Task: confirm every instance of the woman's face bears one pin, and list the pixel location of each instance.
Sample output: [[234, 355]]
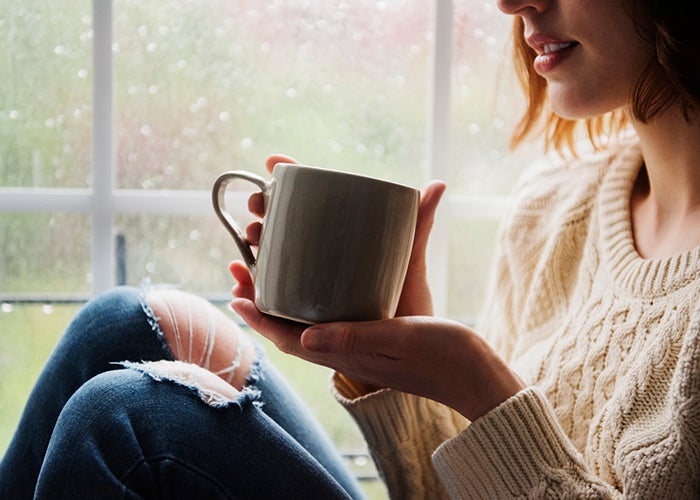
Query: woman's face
[[589, 51]]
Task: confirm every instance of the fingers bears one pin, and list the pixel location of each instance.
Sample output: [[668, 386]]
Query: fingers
[[273, 160], [252, 233], [256, 204], [240, 272], [415, 295], [281, 332], [244, 287]]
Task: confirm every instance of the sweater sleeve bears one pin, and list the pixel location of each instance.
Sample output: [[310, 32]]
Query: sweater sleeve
[[518, 450], [402, 432]]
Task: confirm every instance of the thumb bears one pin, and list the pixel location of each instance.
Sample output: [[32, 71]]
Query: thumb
[[377, 337], [328, 338], [346, 338], [429, 200]]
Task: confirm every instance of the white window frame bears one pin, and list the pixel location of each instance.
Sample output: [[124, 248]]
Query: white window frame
[[103, 203]]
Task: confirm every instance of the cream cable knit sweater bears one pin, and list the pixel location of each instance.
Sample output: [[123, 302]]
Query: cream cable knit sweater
[[609, 341]]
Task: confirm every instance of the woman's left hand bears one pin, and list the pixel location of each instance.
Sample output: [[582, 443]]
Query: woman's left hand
[[438, 359]]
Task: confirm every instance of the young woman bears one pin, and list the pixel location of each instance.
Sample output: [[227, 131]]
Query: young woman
[[582, 380], [590, 383]]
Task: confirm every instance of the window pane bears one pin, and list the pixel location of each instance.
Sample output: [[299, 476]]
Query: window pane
[[45, 95], [207, 86], [28, 333], [191, 252], [471, 255], [486, 101], [44, 253]]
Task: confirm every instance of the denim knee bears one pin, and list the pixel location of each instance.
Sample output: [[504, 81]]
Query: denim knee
[[130, 432], [127, 433], [115, 326], [122, 431], [117, 306]]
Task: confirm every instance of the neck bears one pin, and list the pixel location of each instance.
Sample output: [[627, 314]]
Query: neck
[[666, 198]]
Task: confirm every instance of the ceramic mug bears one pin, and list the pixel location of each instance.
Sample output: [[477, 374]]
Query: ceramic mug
[[334, 245]]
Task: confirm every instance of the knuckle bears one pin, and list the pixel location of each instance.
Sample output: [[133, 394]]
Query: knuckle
[[287, 340], [347, 339], [284, 346]]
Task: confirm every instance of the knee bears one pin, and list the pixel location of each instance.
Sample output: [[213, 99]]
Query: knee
[[97, 405], [116, 304], [138, 394], [115, 325], [199, 333], [121, 426], [211, 389], [114, 420]]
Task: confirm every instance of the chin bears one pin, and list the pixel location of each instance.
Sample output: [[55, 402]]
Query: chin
[[572, 105], [581, 112]]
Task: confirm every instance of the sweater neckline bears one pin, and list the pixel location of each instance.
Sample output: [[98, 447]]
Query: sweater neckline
[[630, 272]]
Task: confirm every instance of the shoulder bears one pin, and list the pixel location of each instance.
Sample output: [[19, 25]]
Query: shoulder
[[562, 188], [553, 177]]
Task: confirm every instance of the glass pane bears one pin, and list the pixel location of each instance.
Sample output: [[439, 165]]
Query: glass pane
[[28, 333], [44, 253], [471, 255], [45, 93], [207, 86], [486, 101], [191, 252]]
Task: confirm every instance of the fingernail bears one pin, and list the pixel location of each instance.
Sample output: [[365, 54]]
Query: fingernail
[[313, 339]]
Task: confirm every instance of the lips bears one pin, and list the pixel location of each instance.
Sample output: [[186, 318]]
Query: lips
[[551, 51], [548, 48]]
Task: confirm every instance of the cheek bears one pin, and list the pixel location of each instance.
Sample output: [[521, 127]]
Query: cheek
[[601, 81]]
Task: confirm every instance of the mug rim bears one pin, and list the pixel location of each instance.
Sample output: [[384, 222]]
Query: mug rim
[[301, 166]]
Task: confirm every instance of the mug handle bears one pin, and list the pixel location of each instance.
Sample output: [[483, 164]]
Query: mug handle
[[218, 193]]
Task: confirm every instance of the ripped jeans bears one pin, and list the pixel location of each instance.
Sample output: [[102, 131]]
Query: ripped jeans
[[100, 424]]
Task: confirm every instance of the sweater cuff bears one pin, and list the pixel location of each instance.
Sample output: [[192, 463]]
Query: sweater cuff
[[388, 417], [510, 451]]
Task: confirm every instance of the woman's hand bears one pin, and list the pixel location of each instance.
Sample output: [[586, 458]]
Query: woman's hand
[[438, 359], [413, 352], [416, 299], [256, 205], [415, 296]]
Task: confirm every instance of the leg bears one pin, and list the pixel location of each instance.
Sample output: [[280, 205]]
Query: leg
[[201, 334], [121, 326], [110, 328], [131, 436]]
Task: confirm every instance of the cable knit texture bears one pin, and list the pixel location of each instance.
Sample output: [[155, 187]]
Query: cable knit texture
[[609, 342]]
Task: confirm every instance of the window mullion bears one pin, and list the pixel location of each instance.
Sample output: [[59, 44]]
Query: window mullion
[[102, 249], [439, 144]]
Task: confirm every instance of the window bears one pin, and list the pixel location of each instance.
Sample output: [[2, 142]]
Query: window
[[116, 116]]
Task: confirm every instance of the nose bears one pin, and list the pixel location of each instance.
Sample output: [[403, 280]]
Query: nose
[[521, 7]]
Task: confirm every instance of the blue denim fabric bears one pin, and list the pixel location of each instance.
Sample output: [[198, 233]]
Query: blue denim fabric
[[93, 429]]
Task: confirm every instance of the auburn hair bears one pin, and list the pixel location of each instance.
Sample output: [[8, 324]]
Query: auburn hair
[[672, 76]]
